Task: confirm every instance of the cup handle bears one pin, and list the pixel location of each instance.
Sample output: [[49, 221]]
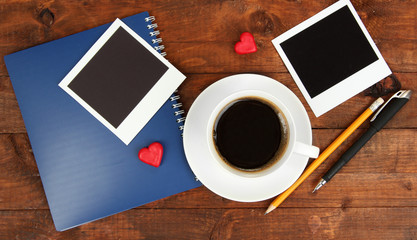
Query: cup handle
[[306, 150]]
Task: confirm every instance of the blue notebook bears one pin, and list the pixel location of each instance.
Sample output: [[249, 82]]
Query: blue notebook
[[86, 171]]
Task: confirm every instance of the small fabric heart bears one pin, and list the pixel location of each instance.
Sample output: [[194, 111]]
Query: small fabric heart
[[246, 44], [152, 155]]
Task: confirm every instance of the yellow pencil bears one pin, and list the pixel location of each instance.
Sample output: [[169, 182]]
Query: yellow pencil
[[335, 144]]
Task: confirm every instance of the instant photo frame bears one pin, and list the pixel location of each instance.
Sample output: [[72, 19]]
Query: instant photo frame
[[331, 57], [122, 81]]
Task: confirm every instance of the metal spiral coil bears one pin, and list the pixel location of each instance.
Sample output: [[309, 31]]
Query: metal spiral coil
[[175, 97], [177, 105], [154, 33], [153, 25], [179, 111], [150, 19], [180, 120], [160, 47], [156, 40]]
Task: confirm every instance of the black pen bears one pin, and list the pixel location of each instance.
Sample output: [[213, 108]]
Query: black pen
[[381, 117]]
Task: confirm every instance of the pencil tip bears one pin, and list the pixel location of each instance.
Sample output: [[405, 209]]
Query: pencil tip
[[270, 208]]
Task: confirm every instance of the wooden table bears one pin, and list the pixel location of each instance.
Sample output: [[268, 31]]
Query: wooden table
[[373, 197]]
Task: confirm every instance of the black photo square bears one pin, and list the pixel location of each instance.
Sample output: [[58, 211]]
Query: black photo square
[[116, 79], [329, 51]]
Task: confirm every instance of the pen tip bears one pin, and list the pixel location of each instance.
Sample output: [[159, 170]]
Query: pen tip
[[319, 185]]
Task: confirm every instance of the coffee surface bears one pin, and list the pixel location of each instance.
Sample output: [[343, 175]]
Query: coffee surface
[[248, 134]]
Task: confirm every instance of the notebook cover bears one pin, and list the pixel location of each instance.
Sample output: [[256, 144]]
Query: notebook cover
[[86, 171]]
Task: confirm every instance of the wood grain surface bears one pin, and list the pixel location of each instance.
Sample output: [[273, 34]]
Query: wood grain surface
[[373, 197]]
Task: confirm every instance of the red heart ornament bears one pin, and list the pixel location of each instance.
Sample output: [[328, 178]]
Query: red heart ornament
[[152, 155], [246, 44]]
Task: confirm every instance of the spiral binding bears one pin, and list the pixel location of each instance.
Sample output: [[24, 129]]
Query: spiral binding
[[155, 33], [178, 111], [175, 97]]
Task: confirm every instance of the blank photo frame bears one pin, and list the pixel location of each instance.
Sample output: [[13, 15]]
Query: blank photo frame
[[331, 57], [122, 81]]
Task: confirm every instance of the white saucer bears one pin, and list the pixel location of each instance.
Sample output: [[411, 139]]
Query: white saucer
[[207, 170]]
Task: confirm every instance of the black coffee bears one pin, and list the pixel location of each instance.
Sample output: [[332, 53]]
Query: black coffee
[[248, 134]]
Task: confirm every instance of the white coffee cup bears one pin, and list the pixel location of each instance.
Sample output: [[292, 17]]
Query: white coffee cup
[[292, 145]]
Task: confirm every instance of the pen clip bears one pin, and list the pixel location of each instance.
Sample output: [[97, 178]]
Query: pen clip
[[399, 94]]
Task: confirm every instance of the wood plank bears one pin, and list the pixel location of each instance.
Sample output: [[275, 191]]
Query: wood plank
[[382, 174], [345, 190], [395, 146], [271, 18], [11, 119], [16, 156], [266, 18], [219, 57], [285, 223], [203, 50]]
